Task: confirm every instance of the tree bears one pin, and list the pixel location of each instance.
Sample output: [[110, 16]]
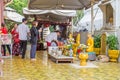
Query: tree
[[77, 18], [18, 5]]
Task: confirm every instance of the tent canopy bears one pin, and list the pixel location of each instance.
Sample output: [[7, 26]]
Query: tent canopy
[[85, 22], [51, 15], [11, 14], [56, 12], [59, 4]]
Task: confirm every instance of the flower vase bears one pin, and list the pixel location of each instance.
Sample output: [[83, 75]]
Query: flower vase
[[83, 57]]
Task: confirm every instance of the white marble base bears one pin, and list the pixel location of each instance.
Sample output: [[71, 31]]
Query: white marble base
[[89, 65]]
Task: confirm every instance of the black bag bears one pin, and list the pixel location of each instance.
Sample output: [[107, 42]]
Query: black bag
[[40, 46]]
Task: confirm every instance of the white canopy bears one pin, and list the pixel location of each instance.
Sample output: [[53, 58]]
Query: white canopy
[[59, 4], [57, 12], [51, 15], [11, 14], [85, 22]]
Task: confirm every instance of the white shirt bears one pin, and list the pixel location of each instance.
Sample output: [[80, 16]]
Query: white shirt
[[51, 36], [23, 31]]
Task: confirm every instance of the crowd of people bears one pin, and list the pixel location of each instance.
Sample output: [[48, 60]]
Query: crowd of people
[[20, 34]]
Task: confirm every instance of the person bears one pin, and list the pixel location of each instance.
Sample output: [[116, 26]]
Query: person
[[90, 43], [34, 37], [16, 41], [5, 31], [23, 32], [53, 36]]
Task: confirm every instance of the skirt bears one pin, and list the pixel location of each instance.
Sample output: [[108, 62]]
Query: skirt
[[16, 49]]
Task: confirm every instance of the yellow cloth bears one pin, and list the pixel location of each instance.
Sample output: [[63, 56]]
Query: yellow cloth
[[90, 43], [70, 36]]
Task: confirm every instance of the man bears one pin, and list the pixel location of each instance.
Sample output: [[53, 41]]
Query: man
[[53, 36], [23, 32]]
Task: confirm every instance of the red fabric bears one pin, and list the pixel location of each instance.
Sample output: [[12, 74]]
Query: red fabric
[[60, 43], [15, 36], [16, 40], [48, 44], [79, 50], [46, 24], [4, 30]]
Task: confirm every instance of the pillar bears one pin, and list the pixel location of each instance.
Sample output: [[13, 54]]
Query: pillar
[[1, 12], [103, 9], [117, 14], [92, 18]]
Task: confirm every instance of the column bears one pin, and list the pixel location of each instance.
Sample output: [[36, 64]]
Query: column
[[1, 12], [117, 14], [103, 9], [92, 17]]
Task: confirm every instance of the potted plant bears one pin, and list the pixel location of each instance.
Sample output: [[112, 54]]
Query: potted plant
[[113, 51], [97, 44]]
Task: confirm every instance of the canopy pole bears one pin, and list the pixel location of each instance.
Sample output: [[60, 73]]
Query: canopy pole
[[72, 24], [92, 18]]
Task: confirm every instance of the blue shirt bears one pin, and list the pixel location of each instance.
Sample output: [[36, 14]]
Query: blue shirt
[[23, 31]]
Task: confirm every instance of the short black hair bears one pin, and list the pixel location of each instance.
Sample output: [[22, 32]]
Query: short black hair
[[24, 19], [2, 25], [57, 31]]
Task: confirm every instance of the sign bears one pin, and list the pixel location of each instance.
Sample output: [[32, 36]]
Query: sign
[[5, 39]]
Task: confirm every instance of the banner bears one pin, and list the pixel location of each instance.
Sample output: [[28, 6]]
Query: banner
[[5, 39]]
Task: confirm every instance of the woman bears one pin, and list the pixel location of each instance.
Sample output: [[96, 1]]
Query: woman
[[4, 31], [34, 38], [16, 41]]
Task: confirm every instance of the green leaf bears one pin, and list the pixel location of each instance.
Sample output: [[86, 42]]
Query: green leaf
[[112, 42], [18, 5], [97, 41]]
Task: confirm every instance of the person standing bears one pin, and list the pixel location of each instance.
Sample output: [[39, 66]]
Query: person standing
[[16, 41], [34, 37], [5, 31], [23, 32]]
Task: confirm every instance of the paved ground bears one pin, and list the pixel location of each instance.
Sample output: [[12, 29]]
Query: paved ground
[[45, 69]]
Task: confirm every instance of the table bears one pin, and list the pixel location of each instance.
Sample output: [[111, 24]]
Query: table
[[61, 58], [57, 58]]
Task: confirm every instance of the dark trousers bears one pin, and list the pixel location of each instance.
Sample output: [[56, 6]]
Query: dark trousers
[[23, 46], [4, 49], [33, 50]]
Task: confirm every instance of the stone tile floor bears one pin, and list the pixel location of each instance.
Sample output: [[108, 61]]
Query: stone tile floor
[[45, 69]]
